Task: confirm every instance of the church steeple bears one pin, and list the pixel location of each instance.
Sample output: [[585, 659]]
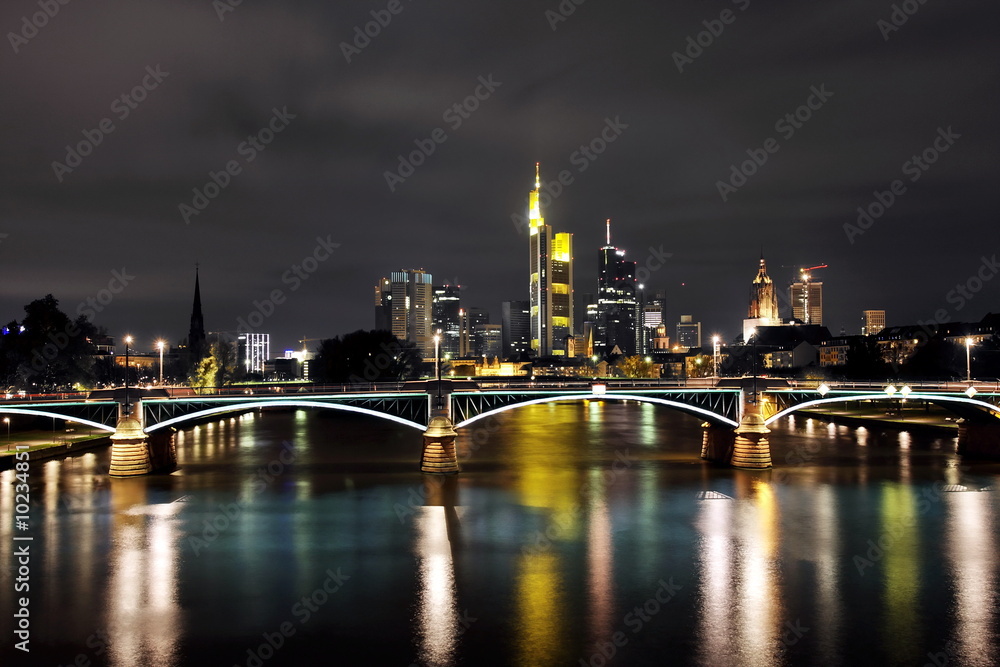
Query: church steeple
[[763, 298], [196, 335]]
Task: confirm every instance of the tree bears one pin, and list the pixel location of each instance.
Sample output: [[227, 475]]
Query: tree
[[47, 351], [366, 356], [864, 360], [205, 374], [635, 367]]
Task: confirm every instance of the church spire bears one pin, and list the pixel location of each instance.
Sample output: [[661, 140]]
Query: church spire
[[196, 335]]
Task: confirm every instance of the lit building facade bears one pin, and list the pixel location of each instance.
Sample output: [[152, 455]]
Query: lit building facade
[[446, 318], [688, 332], [807, 300], [550, 281], [406, 300], [515, 322], [617, 315], [763, 298], [253, 351], [874, 322]]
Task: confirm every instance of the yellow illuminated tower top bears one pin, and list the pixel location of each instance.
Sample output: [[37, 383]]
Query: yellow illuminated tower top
[[535, 219]]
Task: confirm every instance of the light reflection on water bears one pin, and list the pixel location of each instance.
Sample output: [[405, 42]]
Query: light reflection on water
[[561, 523]]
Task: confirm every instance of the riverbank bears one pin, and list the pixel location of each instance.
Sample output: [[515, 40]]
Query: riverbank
[[40, 447]]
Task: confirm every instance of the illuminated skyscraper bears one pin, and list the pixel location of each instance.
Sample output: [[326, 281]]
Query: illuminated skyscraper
[[253, 351], [551, 280], [807, 300], [446, 318], [617, 307], [406, 298], [516, 327]]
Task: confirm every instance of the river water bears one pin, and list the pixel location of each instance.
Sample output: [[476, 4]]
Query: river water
[[577, 534]]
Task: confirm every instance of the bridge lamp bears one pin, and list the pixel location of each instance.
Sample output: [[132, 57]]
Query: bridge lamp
[[599, 389], [6, 420], [159, 346], [128, 341], [968, 359], [971, 391], [715, 355], [823, 389], [890, 390]]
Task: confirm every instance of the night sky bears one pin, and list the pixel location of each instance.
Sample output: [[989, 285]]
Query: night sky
[[555, 82]]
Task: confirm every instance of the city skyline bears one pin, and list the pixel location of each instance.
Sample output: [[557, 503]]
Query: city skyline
[[296, 157]]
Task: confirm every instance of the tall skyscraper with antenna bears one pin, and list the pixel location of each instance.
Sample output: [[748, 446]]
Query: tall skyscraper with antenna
[[550, 281], [617, 307]]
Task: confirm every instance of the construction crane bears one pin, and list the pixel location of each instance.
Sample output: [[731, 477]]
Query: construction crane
[[306, 340]]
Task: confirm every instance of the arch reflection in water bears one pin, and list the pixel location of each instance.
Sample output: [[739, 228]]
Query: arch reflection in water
[[143, 614]]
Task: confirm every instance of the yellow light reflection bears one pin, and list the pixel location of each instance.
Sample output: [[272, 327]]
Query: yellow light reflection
[[902, 571]]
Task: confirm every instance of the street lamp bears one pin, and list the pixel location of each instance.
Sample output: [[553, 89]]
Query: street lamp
[[159, 346], [128, 341], [904, 392], [968, 359], [715, 355], [6, 420], [437, 365], [753, 339]]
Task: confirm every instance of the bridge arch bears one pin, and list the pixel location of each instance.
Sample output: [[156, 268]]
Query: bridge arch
[[297, 403], [35, 412], [983, 406], [694, 410]]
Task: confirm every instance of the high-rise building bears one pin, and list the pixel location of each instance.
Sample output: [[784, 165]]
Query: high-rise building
[[515, 321], [253, 350], [197, 347], [550, 282], [688, 332], [446, 318], [406, 298], [874, 322], [807, 300], [617, 307], [489, 340], [763, 298], [652, 319]]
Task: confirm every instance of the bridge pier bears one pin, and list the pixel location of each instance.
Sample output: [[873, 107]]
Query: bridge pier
[[717, 443], [750, 447], [979, 440], [439, 455], [129, 450]]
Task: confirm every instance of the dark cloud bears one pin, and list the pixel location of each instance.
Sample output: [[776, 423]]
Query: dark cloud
[[324, 175]]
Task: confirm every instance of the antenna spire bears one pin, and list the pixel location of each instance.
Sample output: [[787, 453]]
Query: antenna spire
[[538, 178], [608, 225]]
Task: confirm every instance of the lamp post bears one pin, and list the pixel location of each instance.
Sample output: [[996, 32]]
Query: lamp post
[[437, 365], [968, 359], [159, 346], [715, 355], [6, 420], [128, 341], [753, 339]]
